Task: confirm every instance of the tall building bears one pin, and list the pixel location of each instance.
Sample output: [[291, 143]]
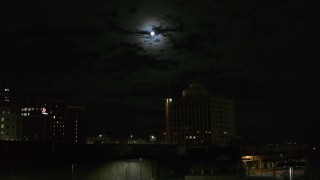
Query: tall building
[[33, 122], [53, 123], [10, 124], [75, 119], [198, 118]]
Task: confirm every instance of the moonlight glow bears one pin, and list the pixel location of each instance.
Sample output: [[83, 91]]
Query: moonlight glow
[[152, 32]]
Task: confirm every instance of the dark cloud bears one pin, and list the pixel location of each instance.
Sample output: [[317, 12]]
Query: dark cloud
[[261, 54]]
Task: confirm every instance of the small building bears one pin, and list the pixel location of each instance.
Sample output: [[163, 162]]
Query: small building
[[9, 124]]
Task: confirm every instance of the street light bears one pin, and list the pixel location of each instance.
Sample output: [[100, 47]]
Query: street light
[[140, 169], [72, 166]]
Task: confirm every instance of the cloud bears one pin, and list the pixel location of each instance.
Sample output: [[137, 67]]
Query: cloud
[[101, 52]]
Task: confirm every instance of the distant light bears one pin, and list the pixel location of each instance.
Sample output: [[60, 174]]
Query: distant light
[[44, 111], [152, 33], [170, 100], [152, 138], [314, 148]]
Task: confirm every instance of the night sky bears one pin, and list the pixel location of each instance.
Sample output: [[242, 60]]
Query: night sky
[[262, 54]]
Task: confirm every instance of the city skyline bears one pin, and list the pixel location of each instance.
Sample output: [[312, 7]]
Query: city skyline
[[262, 55]]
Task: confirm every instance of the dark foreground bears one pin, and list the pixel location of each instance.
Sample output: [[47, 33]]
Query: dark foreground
[[36, 161]]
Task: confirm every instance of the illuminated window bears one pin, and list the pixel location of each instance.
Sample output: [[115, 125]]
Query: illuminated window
[[2, 126], [2, 119]]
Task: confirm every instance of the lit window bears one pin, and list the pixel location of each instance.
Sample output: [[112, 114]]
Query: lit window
[[2, 126], [2, 119]]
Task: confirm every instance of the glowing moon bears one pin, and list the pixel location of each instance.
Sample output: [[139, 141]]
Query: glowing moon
[[152, 33]]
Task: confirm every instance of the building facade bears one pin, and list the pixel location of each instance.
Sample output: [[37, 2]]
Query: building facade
[[9, 124], [198, 118], [53, 123]]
